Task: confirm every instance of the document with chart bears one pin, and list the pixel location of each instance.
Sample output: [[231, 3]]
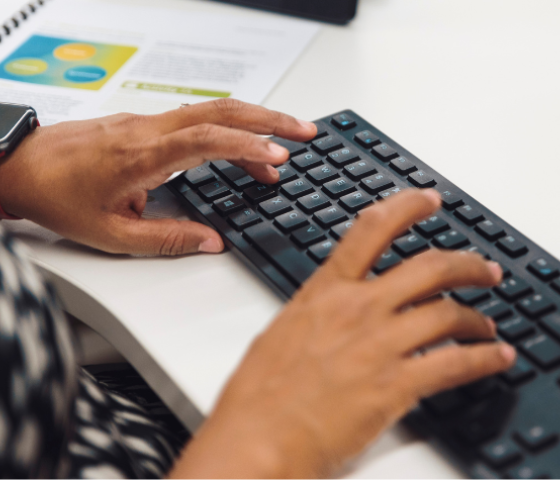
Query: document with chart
[[78, 59]]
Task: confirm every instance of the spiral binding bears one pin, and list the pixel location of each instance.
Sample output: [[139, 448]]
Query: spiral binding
[[19, 17]]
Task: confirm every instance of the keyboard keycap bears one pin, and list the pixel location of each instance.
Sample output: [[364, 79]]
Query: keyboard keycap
[[555, 285], [403, 165], [290, 221], [543, 269], [322, 174], [280, 252], [389, 192], [326, 144], [275, 206], [536, 437], [468, 215], [451, 240], [355, 201], [330, 216], [387, 260], [296, 188], [228, 205], [519, 373], [233, 175], [199, 176], [450, 200], [306, 160], [432, 226], [512, 247], [338, 231], [343, 121], [360, 169], [295, 148], [322, 250], [527, 471], [213, 191], [313, 202], [409, 245], [551, 323], [259, 193], [477, 249], [544, 351], [321, 130], [470, 296], [287, 173], [501, 453], [308, 235], [384, 152], [376, 183], [421, 179], [513, 289], [536, 306], [244, 219], [489, 230], [366, 139], [496, 309], [338, 187], [342, 157], [515, 328]]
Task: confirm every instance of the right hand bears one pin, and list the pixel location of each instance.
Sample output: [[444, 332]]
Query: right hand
[[339, 365]]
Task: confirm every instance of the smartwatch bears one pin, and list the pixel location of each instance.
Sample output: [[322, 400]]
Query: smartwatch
[[16, 122]]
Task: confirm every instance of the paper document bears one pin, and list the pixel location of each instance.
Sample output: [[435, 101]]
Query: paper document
[[79, 59]]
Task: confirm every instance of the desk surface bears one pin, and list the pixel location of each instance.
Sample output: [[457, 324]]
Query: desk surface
[[469, 86]]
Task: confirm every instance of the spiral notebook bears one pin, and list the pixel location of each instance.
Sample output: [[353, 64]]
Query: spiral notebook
[[79, 59]]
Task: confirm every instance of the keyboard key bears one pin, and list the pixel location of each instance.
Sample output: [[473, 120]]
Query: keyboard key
[[403, 165], [515, 328], [199, 176], [551, 323], [555, 285], [280, 252], [536, 437], [330, 216], [306, 160], [450, 200], [322, 174], [308, 235], [338, 231], [233, 175], [451, 240], [544, 351], [477, 249], [446, 402], [290, 221], [387, 260], [421, 179], [376, 183], [322, 250], [228, 205], [287, 174], [519, 373], [338, 187], [543, 269], [432, 226], [342, 157], [360, 169], [384, 152], [512, 247], [500, 453], [313, 202], [409, 245], [295, 148], [470, 296], [296, 188], [213, 191], [366, 139], [326, 144], [527, 471], [496, 309], [260, 192], [536, 306], [468, 215], [489, 230], [275, 206], [389, 192], [244, 219], [355, 201], [343, 121], [321, 130], [513, 289]]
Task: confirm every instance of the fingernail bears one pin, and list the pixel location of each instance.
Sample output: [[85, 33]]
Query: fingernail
[[277, 150], [210, 246], [307, 125], [496, 270], [508, 352], [433, 195], [491, 325]]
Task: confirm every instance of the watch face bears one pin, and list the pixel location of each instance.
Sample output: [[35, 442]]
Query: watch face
[[10, 115]]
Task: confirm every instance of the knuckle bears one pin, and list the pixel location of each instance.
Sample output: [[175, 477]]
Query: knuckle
[[228, 107], [202, 134], [172, 244]]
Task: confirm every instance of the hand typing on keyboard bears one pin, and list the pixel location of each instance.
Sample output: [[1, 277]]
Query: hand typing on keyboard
[[339, 364]]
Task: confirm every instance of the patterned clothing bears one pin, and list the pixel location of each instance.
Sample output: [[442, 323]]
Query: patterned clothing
[[57, 420]]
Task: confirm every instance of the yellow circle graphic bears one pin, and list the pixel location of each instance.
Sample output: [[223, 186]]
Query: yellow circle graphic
[[72, 52], [26, 67]]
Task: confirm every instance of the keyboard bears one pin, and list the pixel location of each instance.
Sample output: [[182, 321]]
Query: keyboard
[[502, 426]]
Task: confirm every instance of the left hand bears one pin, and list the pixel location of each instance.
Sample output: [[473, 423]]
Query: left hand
[[89, 180]]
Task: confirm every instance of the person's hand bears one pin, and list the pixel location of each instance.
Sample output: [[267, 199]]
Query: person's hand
[[89, 180], [340, 364]]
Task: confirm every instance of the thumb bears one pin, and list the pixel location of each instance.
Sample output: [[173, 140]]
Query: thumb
[[170, 237]]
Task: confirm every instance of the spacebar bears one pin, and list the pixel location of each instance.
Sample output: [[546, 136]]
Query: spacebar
[[280, 252]]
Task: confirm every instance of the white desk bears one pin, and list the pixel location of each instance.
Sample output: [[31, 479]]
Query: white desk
[[469, 86]]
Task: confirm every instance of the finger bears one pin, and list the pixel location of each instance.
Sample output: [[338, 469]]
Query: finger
[[452, 366], [439, 320], [260, 172], [433, 271], [232, 113], [168, 237], [376, 228]]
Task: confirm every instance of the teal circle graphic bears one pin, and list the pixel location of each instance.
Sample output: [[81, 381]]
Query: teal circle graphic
[[84, 74]]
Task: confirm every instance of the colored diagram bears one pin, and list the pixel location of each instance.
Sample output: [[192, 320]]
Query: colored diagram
[[65, 63]]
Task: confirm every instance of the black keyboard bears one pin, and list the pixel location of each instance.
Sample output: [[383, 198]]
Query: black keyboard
[[503, 426]]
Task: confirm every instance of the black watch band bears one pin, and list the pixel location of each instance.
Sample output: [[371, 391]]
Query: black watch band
[[16, 122]]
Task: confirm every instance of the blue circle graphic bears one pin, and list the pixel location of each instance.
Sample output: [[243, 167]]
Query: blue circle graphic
[[84, 74]]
